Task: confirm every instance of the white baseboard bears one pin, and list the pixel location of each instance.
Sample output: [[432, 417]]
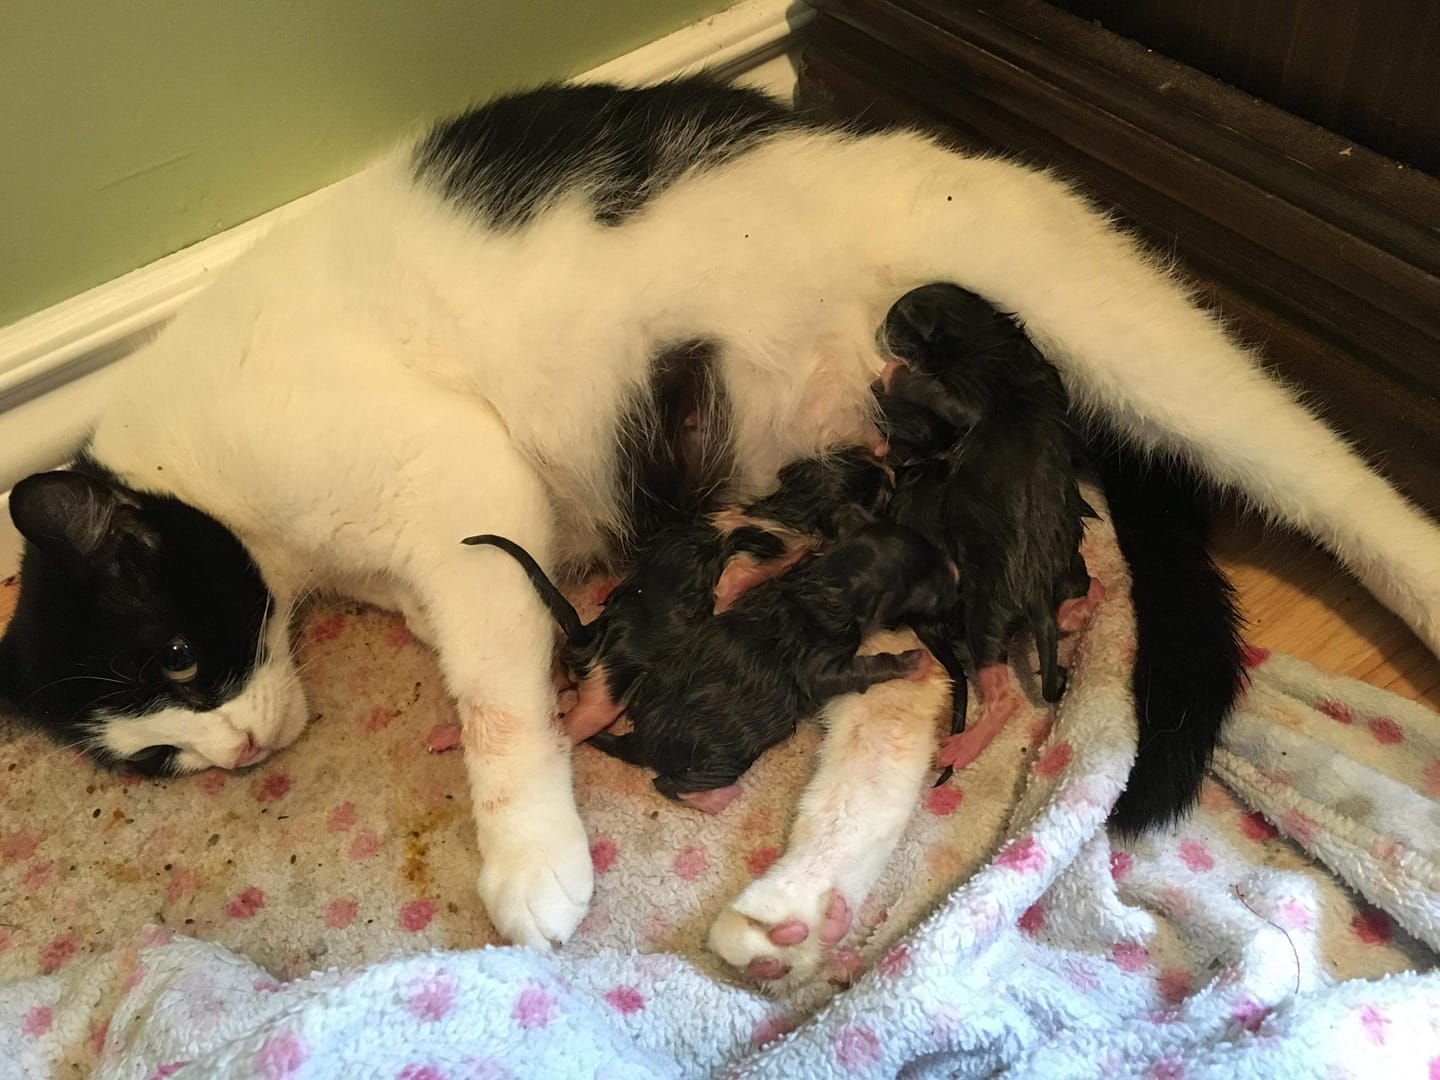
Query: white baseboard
[[54, 364]]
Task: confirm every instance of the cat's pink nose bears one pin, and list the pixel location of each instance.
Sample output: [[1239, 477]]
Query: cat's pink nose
[[248, 753]]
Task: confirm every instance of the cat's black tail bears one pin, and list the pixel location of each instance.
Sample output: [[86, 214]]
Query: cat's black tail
[[562, 610], [1188, 661]]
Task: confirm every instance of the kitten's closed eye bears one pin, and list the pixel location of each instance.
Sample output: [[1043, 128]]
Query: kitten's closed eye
[[177, 661]]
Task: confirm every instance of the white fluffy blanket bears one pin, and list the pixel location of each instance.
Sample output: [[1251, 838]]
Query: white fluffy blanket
[[1287, 929]]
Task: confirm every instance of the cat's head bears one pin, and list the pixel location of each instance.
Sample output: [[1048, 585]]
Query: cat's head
[[144, 634]]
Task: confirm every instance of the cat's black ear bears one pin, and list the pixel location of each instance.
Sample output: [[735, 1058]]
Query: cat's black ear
[[66, 513]]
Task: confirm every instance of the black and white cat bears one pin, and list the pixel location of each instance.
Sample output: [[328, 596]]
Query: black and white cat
[[484, 333]]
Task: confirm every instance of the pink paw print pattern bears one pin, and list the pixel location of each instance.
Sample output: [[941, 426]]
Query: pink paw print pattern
[[274, 787], [366, 845], [1032, 919], [770, 1029], [1130, 957], [1053, 763], [326, 629], [896, 962], [1372, 927], [341, 913], [1023, 856], [761, 859], [38, 1020], [281, 1057], [246, 904], [625, 1000], [1255, 827], [1374, 1023], [943, 801], [603, 853], [415, 915], [58, 953], [1252, 656], [431, 999], [691, 861], [1196, 856], [857, 1048], [342, 818], [1386, 731], [534, 1008]]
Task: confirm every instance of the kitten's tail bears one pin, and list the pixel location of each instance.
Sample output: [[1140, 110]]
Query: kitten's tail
[[1188, 661], [562, 610]]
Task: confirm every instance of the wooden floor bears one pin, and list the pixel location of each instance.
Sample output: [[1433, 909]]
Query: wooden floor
[[1299, 601]]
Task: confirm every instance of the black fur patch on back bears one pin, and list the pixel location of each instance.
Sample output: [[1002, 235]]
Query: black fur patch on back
[[92, 622], [510, 159], [674, 455]]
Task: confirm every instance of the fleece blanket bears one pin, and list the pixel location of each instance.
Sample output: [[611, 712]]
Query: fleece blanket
[[316, 916]]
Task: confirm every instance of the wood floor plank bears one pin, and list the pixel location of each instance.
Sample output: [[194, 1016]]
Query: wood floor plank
[[1299, 600]]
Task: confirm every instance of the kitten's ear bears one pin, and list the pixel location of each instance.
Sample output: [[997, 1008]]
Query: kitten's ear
[[66, 513], [913, 322]]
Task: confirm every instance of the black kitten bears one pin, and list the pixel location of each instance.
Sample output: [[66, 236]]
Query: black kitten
[[690, 570], [737, 683], [985, 460]]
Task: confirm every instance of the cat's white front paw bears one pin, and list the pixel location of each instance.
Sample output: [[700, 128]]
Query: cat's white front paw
[[781, 929], [536, 882]]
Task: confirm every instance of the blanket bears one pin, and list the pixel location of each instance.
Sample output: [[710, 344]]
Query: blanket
[[316, 916]]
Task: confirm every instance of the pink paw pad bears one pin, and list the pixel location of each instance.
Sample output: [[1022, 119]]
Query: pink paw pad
[[789, 932], [767, 967], [838, 918]]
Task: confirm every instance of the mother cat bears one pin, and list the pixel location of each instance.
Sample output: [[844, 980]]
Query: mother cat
[[544, 317]]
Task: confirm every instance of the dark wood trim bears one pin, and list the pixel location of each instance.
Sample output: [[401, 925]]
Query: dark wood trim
[[1334, 270]]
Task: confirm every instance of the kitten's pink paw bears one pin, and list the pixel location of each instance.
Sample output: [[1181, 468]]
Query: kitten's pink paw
[[1074, 614], [1000, 700], [712, 801], [743, 572], [995, 683], [593, 710], [443, 737]]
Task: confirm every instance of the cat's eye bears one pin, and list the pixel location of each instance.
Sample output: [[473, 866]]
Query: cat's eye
[[150, 755], [177, 661]]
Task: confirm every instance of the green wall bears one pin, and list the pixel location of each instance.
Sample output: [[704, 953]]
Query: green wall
[[132, 128]]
